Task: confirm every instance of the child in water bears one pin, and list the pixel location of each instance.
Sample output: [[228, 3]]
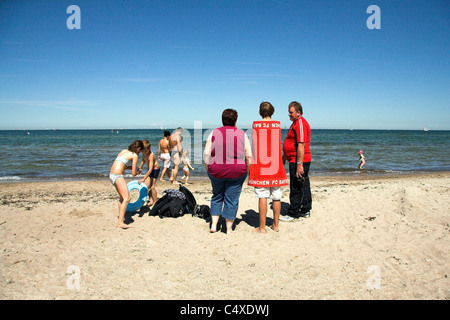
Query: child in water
[[362, 160], [187, 165]]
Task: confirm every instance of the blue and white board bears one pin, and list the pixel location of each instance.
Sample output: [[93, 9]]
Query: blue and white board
[[143, 191]]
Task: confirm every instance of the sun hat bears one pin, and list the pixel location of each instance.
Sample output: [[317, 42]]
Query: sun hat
[[360, 151]]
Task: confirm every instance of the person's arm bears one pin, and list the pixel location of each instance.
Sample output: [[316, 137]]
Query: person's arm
[[207, 152], [134, 165], [188, 162], [150, 169], [159, 150], [300, 155], [248, 152], [300, 150], [139, 170], [180, 149]]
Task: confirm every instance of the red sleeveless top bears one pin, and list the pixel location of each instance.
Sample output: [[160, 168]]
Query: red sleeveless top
[[266, 169], [228, 153]]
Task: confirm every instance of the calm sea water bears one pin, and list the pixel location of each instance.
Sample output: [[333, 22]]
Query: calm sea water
[[88, 154]]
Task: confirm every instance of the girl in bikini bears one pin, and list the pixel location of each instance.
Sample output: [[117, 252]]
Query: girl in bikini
[[126, 159]]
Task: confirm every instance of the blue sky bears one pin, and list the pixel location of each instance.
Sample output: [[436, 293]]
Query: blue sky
[[167, 63]]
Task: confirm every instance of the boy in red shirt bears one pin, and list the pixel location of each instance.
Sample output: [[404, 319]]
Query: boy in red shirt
[[267, 173]]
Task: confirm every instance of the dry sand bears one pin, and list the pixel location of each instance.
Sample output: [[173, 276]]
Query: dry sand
[[367, 238]]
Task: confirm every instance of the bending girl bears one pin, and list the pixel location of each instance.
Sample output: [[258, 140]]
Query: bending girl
[[126, 159]]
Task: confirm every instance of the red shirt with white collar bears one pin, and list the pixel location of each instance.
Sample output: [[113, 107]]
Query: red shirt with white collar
[[302, 130]]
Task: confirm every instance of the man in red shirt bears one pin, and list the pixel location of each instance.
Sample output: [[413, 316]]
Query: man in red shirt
[[297, 152]]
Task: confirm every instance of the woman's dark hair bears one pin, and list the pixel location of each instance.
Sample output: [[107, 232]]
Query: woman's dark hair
[[266, 109], [229, 117], [166, 133], [136, 144]]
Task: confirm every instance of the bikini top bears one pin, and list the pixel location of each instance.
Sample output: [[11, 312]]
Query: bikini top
[[126, 162]]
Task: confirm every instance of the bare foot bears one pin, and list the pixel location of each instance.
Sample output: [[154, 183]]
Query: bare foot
[[276, 229], [258, 230], [123, 225]]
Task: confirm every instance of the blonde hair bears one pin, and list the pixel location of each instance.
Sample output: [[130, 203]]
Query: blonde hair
[[146, 143]]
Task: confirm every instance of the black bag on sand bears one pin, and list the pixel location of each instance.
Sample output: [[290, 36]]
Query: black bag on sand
[[202, 211], [177, 203], [191, 203], [168, 207]]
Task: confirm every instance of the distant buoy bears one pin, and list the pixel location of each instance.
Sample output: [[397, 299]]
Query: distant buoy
[[143, 191]]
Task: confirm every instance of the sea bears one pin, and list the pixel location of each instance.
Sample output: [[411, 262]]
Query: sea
[[54, 155]]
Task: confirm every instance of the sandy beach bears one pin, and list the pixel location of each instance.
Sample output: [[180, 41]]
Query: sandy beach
[[368, 237]]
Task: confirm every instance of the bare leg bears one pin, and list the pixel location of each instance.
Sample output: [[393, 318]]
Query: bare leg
[[214, 221], [154, 195], [165, 171], [276, 204], [262, 206], [122, 189], [229, 225], [174, 174]]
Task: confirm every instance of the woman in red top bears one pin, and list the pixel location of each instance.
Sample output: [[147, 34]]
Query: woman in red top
[[267, 173], [227, 158]]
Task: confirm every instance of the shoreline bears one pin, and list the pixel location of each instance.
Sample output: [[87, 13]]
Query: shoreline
[[370, 238], [203, 177]]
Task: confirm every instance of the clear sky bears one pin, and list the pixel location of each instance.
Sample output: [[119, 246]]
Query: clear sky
[[168, 63]]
